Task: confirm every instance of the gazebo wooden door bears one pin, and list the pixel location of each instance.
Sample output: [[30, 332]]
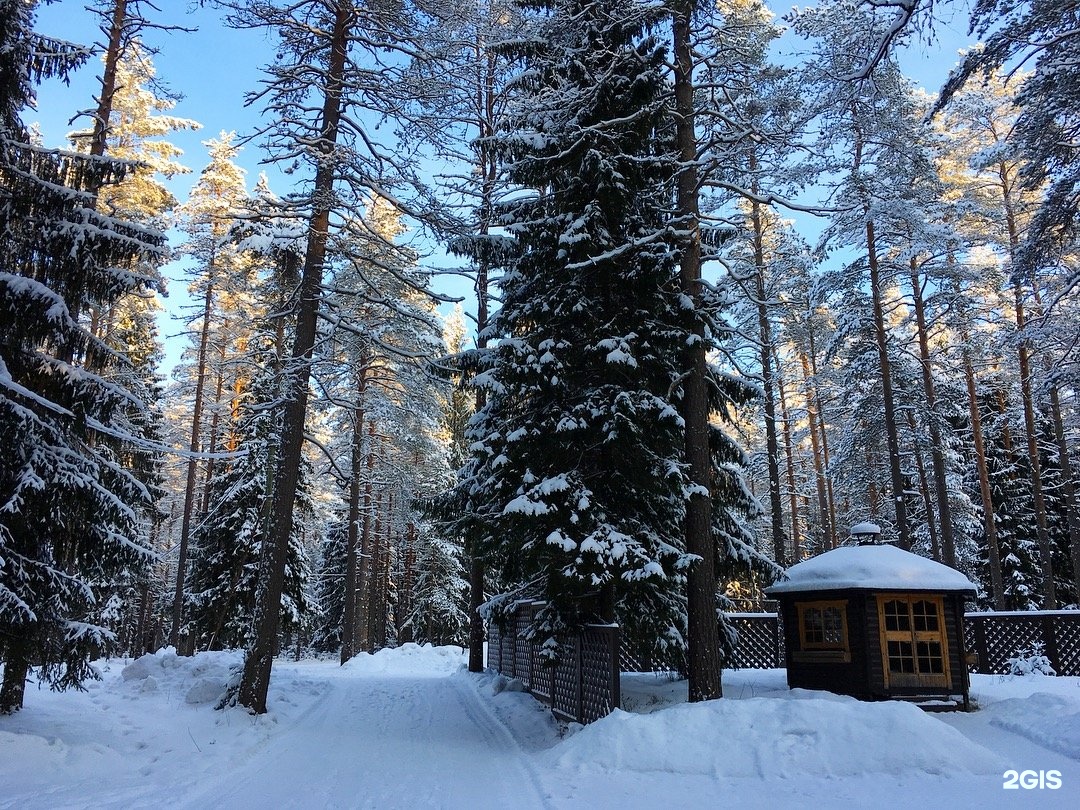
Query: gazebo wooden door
[[914, 646]]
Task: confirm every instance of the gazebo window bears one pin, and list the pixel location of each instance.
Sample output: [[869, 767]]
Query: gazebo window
[[823, 625]]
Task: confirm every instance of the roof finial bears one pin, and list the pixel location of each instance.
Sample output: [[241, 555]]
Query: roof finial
[[866, 534]]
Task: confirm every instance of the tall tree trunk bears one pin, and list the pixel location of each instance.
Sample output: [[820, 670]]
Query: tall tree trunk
[[937, 441], [487, 159], [367, 552], [768, 382], [997, 585], [892, 434], [100, 133], [703, 642], [375, 593], [822, 427], [193, 450], [215, 425], [352, 532], [828, 540], [789, 453], [924, 492], [260, 657]]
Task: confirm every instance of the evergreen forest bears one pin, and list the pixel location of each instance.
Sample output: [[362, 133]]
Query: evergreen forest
[[624, 306]]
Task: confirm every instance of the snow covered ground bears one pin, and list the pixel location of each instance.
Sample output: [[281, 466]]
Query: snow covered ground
[[410, 728]]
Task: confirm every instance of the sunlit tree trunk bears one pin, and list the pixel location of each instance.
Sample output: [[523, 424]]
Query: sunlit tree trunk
[[937, 449], [702, 630], [997, 586], [768, 382], [789, 452]]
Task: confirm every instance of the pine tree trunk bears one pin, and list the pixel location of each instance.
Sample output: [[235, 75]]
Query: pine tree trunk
[[215, 424], [822, 423], [488, 164], [997, 586], [193, 449], [352, 534], [260, 657], [362, 632], [924, 492], [828, 540], [703, 642], [99, 136], [768, 382], [892, 434], [937, 442], [374, 595], [789, 452]]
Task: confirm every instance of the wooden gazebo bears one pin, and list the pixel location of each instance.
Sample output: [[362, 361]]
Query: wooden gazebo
[[875, 622]]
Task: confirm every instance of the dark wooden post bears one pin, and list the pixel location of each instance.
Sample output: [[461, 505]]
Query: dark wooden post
[[978, 624], [616, 684], [1050, 643]]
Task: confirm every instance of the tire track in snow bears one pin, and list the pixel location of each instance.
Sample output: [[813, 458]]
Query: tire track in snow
[[499, 735]]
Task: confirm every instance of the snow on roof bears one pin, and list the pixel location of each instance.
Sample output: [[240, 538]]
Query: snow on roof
[[870, 568]]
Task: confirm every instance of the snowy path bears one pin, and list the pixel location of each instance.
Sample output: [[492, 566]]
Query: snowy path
[[370, 740]]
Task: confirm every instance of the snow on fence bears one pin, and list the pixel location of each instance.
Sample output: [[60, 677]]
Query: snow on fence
[[583, 686]]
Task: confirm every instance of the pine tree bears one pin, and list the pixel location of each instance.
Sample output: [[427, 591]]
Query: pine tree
[[215, 199], [326, 636], [868, 122], [68, 507], [1043, 34]]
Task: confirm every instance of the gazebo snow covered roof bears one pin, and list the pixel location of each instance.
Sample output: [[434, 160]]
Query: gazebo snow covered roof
[[877, 567]]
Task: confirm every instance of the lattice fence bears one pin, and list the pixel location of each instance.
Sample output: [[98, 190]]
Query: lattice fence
[[994, 638], [997, 637], [761, 640], [584, 685], [581, 687]]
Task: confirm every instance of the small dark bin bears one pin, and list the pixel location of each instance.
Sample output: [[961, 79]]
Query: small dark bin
[[876, 622]]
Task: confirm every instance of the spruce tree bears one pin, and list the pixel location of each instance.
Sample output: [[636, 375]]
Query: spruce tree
[[69, 516], [579, 477]]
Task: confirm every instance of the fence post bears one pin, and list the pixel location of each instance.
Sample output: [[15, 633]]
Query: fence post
[[982, 652], [1050, 643], [615, 637], [579, 676]]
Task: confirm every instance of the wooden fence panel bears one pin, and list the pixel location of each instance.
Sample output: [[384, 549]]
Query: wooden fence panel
[[760, 644], [582, 686], [997, 637]]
